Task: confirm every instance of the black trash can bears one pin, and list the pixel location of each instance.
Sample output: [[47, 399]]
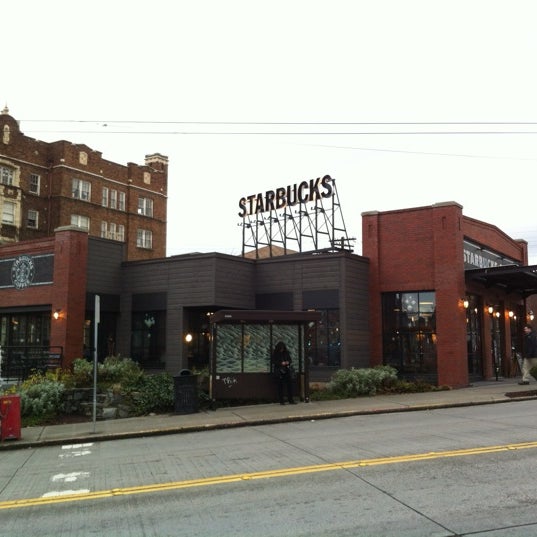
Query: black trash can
[[186, 399]]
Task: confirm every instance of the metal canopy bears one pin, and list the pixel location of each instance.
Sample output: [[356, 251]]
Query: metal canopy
[[511, 279]]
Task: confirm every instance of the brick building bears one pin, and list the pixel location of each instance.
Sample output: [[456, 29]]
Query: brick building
[[438, 295], [44, 186], [448, 294]]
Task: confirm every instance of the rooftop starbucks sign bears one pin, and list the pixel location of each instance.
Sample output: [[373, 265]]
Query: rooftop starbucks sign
[[304, 216], [289, 196]]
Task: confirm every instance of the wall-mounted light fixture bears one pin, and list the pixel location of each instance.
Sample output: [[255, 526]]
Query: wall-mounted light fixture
[[56, 314], [531, 316], [490, 309], [497, 314], [511, 314], [465, 303], [188, 338]]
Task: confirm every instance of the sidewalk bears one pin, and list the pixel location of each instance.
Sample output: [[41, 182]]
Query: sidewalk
[[480, 393]]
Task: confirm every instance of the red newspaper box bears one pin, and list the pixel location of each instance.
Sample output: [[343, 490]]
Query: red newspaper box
[[10, 417]]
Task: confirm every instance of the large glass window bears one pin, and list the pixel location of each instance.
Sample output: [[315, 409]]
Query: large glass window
[[409, 333], [148, 337], [473, 337], [323, 340]]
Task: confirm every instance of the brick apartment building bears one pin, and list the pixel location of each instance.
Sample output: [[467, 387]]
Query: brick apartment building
[[44, 186]]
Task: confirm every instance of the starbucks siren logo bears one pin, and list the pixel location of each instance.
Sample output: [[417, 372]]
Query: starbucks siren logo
[[22, 272]]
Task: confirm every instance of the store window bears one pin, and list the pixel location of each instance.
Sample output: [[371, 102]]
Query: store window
[[323, 341], [409, 333], [147, 338], [473, 337]]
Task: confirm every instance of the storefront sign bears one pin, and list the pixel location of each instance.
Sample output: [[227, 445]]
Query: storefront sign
[[26, 270], [271, 200], [477, 257]]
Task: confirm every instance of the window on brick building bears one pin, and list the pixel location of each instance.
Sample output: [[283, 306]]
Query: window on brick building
[[83, 222], [409, 333], [121, 202], [8, 212], [145, 206], [104, 201], [6, 175], [33, 219], [144, 239], [81, 190], [113, 199], [35, 183], [112, 231]]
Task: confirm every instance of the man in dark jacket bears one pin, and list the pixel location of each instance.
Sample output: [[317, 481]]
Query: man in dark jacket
[[530, 353]]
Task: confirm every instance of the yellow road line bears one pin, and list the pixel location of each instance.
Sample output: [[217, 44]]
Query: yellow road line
[[269, 474]]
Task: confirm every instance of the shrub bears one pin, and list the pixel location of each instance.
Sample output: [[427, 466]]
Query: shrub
[[113, 371], [116, 370], [152, 393], [41, 398], [367, 381]]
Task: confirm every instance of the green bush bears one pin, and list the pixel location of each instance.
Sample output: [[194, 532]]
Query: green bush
[[41, 398], [367, 381], [152, 393], [113, 371]]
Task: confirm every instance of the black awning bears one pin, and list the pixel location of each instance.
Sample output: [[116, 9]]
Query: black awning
[[511, 279]]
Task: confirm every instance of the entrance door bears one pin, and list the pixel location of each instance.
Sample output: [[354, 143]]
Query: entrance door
[[474, 338]]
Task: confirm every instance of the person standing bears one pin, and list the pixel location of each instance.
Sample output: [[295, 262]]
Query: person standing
[[281, 364], [530, 353]]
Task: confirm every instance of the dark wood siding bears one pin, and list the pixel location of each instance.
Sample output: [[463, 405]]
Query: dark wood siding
[[104, 266]]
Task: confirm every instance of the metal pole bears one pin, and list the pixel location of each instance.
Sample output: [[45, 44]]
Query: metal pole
[[97, 319]]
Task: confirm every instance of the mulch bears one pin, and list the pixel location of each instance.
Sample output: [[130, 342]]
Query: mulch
[[528, 393]]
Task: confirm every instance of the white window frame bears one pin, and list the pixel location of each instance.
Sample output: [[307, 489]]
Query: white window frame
[[113, 199], [144, 239], [121, 233], [104, 198], [145, 206], [8, 212], [7, 175], [81, 190], [32, 223], [35, 183], [104, 229], [80, 221], [121, 201]]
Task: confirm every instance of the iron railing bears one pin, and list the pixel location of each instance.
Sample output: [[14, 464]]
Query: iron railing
[[18, 362]]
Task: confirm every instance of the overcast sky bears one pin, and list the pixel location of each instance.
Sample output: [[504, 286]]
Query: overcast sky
[[404, 102]]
